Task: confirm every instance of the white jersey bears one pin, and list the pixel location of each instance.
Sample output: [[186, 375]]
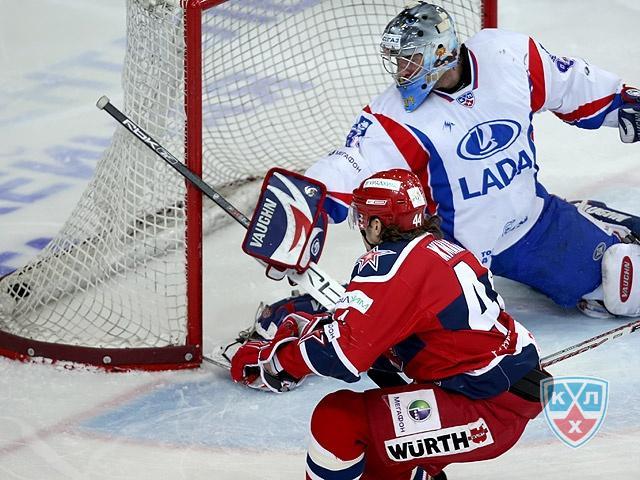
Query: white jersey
[[474, 150]]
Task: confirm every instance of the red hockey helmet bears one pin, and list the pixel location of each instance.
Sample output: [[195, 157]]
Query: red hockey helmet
[[394, 196]]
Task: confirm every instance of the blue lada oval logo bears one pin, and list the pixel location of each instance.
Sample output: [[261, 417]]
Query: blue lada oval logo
[[488, 138]]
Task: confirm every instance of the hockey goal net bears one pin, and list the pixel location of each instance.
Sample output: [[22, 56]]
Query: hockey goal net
[[232, 88]]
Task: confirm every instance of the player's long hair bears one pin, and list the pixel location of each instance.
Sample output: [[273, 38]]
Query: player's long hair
[[430, 225]]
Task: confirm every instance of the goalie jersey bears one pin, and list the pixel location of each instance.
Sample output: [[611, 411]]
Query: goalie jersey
[[428, 308], [474, 150]]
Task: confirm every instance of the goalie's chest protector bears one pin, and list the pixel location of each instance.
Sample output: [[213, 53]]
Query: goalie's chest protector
[[473, 150]]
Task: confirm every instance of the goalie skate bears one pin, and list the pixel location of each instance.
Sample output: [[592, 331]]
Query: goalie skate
[[594, 308]]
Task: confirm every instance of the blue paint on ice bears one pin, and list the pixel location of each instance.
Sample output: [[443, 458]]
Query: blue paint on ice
[[217, 413]]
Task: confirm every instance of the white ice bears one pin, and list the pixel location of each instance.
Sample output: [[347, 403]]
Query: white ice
[[57, 57]]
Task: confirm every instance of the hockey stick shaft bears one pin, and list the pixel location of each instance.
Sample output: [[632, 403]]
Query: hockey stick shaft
[[321, 286], [589, 344], [104, 104]]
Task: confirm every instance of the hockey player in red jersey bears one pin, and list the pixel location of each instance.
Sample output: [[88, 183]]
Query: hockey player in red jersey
[[417, 304]]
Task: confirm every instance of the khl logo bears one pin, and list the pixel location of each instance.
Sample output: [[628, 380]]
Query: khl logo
[[488, 138], [575, 407]]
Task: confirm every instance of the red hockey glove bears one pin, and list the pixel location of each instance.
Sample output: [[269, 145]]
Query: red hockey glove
[[255, 363], [244, 364]]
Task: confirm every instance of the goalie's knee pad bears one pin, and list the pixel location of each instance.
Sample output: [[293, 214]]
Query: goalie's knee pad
[[620, 279]]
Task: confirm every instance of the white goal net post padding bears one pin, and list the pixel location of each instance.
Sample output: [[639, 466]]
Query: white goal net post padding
[[232, 88]]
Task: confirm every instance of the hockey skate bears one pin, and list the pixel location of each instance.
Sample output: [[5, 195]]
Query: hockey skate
[[594, 308]]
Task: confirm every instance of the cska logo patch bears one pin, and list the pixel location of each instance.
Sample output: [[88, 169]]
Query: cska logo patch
[[466, 99], [575, 407], [478, 435], [371, 258]]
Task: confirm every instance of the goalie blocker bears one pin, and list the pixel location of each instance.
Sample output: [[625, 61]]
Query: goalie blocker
[[288, 227]]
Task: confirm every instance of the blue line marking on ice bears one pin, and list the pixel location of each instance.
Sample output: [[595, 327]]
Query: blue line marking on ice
[[75, 162], [270, 12], [102, 142], [244, 97], [89, 59], [4, 256], [69, 162]]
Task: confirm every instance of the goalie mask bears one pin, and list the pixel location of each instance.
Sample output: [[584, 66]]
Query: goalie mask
[[395, 197], [418, 46]]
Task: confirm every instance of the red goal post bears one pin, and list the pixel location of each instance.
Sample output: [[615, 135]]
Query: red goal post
[[233, 88]]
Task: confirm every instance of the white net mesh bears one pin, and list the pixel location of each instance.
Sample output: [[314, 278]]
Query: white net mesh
[[284, 86], [282, 81]]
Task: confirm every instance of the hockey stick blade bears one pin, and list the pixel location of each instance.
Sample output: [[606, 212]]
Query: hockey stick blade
[[589, 344]]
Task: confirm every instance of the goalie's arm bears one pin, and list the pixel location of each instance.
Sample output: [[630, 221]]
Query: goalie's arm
[[582, 94], [341, 172]]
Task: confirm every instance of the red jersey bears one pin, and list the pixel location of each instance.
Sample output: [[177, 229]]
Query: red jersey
[[429, 308]]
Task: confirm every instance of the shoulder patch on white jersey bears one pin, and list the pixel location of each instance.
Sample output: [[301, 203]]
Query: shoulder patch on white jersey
[[358, 130]]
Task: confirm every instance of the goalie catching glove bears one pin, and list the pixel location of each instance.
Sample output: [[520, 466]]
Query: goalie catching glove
[[289, 225], [629, 115]]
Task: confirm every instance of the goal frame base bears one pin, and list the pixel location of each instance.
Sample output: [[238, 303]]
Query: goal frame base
[[111, 359]]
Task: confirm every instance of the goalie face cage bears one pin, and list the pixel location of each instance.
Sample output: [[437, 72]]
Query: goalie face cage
[[251, 84]]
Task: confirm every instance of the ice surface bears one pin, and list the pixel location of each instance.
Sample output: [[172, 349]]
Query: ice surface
[[58, 57]]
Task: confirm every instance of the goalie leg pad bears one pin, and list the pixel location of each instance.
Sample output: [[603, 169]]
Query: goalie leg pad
[[621, 279], [560, 256]]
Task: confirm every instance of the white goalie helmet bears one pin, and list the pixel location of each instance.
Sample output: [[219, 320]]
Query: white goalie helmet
[[418, 46]]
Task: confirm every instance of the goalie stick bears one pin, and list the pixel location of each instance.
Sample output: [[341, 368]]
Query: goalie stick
[[589, 344]]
